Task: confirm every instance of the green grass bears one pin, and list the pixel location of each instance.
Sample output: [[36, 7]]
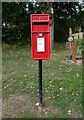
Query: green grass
[[62, 83]]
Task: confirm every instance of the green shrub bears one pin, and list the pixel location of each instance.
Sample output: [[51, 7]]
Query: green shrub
[[79, 46]]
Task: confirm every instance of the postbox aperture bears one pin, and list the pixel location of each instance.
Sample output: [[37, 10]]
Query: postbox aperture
[[40, 36]]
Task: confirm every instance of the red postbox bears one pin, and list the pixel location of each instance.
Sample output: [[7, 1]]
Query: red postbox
[[40, 36]]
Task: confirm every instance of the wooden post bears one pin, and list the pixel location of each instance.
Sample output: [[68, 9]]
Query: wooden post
[[72, 45]]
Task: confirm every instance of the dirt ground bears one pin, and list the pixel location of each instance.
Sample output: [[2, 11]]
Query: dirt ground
[[17, 104]]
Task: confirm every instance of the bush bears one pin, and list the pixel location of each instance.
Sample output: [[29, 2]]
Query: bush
[[79, 46]]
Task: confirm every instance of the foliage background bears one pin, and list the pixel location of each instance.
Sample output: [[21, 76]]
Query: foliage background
[[16, 19]]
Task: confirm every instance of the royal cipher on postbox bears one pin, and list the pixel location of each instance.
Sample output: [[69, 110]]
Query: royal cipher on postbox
[[40, 36]]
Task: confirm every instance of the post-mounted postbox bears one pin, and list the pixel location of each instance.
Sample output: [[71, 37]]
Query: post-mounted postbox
[[40, 36]]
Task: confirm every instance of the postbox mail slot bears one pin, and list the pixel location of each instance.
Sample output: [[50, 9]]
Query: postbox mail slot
[[40, 27]]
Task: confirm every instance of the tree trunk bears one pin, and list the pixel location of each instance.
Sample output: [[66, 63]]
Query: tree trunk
[[50, 12]]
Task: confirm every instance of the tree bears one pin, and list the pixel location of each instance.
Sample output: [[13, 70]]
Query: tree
[[65, 17], [15, 20]]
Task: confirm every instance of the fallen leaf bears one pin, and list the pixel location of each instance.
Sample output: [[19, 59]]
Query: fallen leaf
[[37, 104], [69, 112]]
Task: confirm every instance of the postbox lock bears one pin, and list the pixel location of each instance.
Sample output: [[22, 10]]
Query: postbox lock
[[40, 34]]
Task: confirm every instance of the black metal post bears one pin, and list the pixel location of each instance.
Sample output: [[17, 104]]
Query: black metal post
[[40, 81]]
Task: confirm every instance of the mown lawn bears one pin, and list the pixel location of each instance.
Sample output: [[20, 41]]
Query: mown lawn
[[62, 84]]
